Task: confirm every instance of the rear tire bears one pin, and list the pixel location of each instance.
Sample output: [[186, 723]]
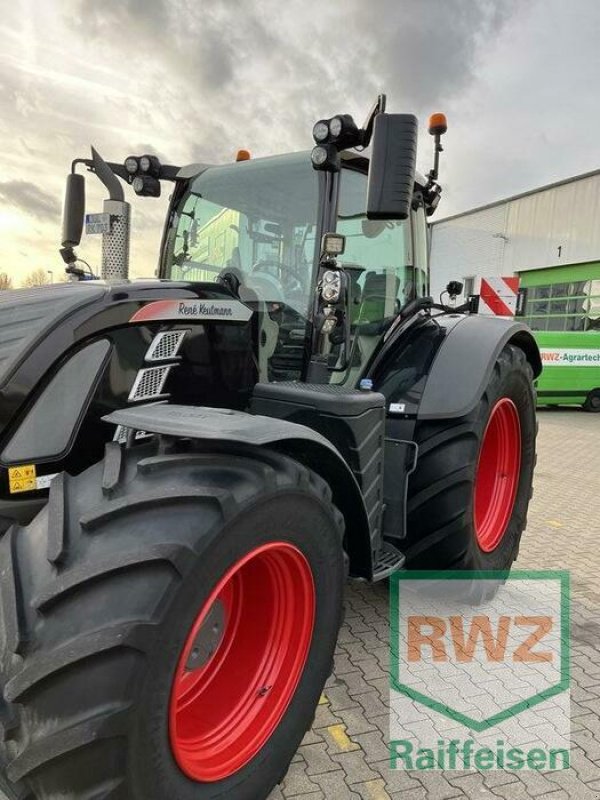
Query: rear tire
[[444, 530], [100, 595]]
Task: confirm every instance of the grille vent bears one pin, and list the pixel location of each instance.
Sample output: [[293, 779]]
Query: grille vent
[[122, 432], [149, 383], [165, 345]]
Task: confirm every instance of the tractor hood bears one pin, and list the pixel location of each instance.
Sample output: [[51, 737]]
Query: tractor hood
[[37, 326], [28, 315], [72, 353]]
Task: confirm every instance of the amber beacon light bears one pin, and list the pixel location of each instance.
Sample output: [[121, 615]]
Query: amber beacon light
[[438, 124]]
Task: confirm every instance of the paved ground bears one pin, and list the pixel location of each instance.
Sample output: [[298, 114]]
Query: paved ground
[[345, 755]]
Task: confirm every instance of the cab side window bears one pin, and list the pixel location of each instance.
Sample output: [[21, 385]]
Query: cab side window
[[378, 255]]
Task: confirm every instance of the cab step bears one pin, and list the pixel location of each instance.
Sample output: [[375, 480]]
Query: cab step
[[390, 560]]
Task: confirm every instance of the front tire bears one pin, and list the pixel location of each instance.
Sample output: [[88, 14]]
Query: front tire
[[170, 635], [468, 497]]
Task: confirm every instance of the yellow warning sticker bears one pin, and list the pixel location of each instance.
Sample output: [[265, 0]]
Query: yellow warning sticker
[[22, 479]]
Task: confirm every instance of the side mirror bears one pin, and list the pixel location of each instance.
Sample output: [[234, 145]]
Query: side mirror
[[454, 288], [392, 167], [74, 210]]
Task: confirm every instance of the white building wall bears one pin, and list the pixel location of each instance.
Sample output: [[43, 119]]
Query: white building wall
[[471, 245], [519, 234]]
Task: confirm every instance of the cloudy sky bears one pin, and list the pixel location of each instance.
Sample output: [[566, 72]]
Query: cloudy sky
[[197, 79]]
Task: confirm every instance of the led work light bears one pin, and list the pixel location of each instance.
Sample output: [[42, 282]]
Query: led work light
[[321, 131], [326, 156], [333, 244], [146, 186], [343, 132], [150, 165]]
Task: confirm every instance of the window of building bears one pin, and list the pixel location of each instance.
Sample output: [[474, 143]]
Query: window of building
[[564, 306]]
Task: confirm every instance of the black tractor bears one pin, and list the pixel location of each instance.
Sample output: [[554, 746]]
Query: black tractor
[[190, 467]]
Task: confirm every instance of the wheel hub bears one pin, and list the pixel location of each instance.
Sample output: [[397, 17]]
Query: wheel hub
[[208, 638]]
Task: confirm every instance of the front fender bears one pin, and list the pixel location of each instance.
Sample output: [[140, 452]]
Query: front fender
[[300, 442]]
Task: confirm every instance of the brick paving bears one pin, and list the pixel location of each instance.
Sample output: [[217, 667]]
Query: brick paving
[[345, 754]]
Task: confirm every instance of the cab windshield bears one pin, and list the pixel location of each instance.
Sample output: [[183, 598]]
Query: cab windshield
[[258, 219], [255, 218]]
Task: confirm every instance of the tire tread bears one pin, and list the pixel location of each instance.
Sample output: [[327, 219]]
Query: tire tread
[[67, 573]]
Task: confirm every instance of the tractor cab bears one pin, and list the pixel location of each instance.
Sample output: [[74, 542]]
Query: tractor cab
[[325, 247], [256, 225]]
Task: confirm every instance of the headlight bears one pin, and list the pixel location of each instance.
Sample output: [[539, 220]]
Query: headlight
[[330, 294], [132, 165], [331, 286], [150, 165]]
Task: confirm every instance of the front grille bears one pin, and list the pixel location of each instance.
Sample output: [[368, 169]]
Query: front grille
[[149, 383]]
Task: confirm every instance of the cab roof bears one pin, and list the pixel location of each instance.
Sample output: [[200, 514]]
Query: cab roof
[[359, 159]]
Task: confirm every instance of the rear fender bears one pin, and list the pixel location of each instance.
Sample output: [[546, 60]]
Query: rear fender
[[305, 445], [464, 362]]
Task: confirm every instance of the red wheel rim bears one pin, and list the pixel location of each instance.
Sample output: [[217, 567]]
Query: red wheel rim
[[497, 477], [250, 640]]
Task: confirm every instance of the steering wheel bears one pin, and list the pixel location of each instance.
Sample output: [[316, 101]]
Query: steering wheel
[[266, 286], [264, 278]]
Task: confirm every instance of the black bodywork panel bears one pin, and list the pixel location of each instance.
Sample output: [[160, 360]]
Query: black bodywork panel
[[353, 421], [438, 366], [104, 308]]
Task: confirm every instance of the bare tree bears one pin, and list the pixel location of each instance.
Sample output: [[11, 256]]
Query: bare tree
[[5, 281], [39, 277]]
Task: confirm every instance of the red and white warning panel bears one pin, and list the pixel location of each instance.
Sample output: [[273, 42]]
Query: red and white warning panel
[[499, 296]]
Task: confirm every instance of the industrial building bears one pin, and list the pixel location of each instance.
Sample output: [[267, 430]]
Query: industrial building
[[550, 238]]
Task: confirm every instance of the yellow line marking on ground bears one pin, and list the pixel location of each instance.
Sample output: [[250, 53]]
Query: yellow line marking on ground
[[340, 737], [554, 523], [323, 701], [376, 790]]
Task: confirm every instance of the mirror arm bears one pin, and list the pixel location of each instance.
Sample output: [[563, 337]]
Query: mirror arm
[[86, 161], [367, 128]]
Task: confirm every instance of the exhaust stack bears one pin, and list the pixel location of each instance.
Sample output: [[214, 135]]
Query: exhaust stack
[[115, 240]]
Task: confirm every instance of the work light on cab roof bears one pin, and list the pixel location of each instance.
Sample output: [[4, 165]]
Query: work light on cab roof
[[143, 173]]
